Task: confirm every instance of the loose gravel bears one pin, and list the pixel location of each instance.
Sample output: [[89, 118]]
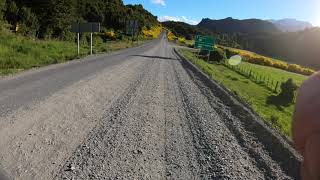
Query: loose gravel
[[154, 116], [170, 125]]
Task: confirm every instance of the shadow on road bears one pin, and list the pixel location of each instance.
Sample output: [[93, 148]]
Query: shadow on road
[[156, 57]]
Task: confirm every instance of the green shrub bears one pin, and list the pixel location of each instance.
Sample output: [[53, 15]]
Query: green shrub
[[287, 93], [230, 53], [217, 55]]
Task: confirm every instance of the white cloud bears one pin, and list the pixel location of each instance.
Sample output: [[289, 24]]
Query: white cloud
[[178, 19], [159, 2]]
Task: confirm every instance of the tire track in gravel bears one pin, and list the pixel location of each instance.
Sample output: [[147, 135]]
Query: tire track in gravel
[[218, 154], [180, 154], [114, 150], [102, 135]]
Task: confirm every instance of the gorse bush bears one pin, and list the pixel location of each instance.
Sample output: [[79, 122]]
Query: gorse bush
[[182, 41], [266, 61], [171, 36], [151, 33], [110, 35]]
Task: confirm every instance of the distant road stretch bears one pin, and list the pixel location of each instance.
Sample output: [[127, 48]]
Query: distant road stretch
[[135, 114]]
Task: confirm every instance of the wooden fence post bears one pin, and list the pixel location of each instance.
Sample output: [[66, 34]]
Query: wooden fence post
[[276, 88]]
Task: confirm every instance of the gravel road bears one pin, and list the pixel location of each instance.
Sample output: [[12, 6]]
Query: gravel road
[[141, 113]]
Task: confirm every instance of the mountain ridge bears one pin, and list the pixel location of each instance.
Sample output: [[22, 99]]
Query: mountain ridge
[[230, 25], [291, 25]]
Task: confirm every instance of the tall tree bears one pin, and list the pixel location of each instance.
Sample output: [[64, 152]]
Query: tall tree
[[12, 12], [2, 8], [61, 15]]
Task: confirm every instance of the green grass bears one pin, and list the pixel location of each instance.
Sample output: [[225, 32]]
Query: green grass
[[273, 73], [18, 53], [253, 94]]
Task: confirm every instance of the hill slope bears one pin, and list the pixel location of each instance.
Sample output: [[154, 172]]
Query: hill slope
[[186, 30]]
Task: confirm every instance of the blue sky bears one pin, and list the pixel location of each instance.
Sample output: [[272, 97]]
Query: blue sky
[[192, 11]]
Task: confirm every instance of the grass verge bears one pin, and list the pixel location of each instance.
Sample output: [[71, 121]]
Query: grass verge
[[255, 95], [19, 53]]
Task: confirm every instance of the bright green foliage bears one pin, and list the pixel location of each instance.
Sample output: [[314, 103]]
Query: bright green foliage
[[274, 74], [18, 53]]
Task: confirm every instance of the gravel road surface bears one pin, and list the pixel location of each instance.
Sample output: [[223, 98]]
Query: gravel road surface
[[141, 113]]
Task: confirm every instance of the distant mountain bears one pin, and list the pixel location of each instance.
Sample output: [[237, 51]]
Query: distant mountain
[[291, 25], [230, 25], [186, 30]]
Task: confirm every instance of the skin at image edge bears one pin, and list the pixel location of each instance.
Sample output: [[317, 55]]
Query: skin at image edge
[[306, 127]]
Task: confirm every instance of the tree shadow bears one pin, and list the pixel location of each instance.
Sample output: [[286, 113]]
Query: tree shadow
[[156, 57], [279, 101]]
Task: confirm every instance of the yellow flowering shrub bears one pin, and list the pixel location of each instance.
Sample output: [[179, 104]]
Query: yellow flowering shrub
[[182, 40], [266, 61], [152, 33], [171, 36], [110, 34]]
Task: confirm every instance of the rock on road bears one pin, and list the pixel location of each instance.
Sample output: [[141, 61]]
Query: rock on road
[[140, 113]]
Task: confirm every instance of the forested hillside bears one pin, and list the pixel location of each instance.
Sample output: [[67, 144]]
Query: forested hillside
[[300, 47], [185, 30], [52, 18], [230, 25]]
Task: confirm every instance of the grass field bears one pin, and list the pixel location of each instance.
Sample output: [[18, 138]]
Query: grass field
[[18, 53], [273, 73], [254, 94]]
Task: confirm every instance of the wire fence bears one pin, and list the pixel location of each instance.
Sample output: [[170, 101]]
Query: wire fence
[[271, 84]]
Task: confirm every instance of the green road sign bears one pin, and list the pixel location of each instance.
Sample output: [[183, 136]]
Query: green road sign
[[203, 46], [85, 27], [205, 39], [204, 42]]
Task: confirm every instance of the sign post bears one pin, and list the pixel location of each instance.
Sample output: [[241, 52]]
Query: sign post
[[132, 28], [204, 43], [91, 44], [78, 43], [85, 27]]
